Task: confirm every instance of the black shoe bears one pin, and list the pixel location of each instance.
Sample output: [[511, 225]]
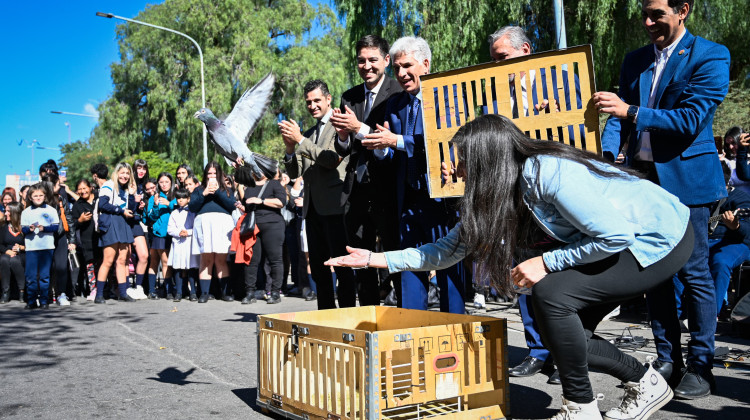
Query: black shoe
[[44, 306], [177, 299], [5, 298], [100, 299], [275, 298], [250, 298], [311, 296], [203, 298], [228, 298], [126, 298], [554, 379], [664, 368], [31, 305], [153, 296], [169, 296], [530, 366], [211, 297], [193, 297], [694, 385]]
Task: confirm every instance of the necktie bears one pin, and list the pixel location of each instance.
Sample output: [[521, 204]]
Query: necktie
[[411, 165], [368, 105], [411, 120], [317, 132]]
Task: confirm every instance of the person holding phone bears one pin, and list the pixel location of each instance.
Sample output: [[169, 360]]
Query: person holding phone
[[89, 253], [213, 206]]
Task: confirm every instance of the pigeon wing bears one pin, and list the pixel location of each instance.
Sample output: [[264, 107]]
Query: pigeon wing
[[249, 109]]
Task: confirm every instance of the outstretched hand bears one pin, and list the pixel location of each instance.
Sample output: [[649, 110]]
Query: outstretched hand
[[358, 258]]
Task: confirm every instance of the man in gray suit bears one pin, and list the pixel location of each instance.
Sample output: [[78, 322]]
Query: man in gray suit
[[312, 155]]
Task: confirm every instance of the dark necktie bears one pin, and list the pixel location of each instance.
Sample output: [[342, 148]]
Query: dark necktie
[[411, 165], [368, 105], [317, 132]]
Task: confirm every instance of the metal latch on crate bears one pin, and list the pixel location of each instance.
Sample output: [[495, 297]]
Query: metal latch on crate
[[401, 337], [482, 329], [275, 401], [296, 331]]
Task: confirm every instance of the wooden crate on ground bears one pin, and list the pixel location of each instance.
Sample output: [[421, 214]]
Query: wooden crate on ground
[[511, 88], [379, 362]]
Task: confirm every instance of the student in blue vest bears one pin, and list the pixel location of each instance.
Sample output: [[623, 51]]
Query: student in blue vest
[[159, 207]]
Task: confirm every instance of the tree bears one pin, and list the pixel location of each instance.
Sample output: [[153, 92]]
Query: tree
[[157, 81], [457, 30], [157, 163]]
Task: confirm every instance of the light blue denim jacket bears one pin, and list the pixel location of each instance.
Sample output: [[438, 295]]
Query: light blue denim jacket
[[595, 216]]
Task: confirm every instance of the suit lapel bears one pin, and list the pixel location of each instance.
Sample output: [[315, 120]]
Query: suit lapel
[[675, 59]]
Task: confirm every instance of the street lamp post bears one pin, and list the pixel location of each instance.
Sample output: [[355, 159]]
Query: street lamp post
[[75, 113], [200, 53]]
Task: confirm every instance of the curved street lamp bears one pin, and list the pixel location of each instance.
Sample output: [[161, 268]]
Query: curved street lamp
[[200, 53]]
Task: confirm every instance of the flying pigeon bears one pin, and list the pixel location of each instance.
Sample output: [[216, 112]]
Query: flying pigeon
[[229, 136]]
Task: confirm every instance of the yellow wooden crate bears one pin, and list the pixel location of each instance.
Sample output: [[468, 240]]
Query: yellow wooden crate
[[378, 362], [452, 98]]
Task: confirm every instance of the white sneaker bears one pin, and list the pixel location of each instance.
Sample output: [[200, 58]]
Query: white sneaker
[[643, 398], [62, 300], [138, 293], [575, 411], [130, 292], [479, 301]]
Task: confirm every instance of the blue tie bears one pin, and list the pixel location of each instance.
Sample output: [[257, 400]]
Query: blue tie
[[411, 121], [412, 177]]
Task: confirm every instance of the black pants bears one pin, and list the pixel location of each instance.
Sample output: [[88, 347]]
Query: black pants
[[361, 231], [12, 266], [569, 304], [60, 265], [269, 244], [326, 238]]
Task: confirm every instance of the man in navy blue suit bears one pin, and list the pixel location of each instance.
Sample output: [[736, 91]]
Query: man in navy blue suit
[[664, 112], [401, 138]]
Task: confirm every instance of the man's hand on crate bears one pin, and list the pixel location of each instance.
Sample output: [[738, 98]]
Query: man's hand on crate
[[359, 258]]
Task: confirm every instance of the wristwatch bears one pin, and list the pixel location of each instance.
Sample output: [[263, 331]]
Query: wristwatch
[[632, 112]]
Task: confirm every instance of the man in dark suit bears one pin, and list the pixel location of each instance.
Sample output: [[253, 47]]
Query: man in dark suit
[[422, 219], [312, 156], [664, 112], [369, 186]]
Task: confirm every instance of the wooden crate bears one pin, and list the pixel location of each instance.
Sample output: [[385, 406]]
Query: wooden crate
[[378, 362], [452, 98]]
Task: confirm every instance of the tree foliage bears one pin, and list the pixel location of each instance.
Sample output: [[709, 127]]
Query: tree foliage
[[457, 30], [157, 80]]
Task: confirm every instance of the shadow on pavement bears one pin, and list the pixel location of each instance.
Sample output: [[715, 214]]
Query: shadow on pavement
[[244, 317], [174, 376], [248, 396]]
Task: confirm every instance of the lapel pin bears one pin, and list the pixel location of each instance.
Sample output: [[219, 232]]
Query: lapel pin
[[681, 52]]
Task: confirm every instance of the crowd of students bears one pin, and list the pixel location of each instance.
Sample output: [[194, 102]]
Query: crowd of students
[[116, 235]]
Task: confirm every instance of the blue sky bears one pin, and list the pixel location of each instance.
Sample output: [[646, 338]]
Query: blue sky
[[56, 57]]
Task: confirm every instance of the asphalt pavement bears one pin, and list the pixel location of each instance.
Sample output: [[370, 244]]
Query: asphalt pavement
[[166, 360]]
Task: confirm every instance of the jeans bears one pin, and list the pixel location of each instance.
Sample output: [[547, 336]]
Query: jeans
[[38, 263], [530, 329], [569, 304], [700, 303], [722, 259]]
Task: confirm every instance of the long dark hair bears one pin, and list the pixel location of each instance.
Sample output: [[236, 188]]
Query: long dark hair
[[15, 208], [140, 163], [189, 171], [219, 176], [494, 218]]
